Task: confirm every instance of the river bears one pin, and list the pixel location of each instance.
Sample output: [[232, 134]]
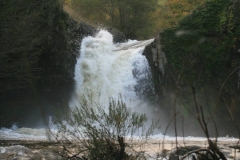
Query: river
[[104, 70]]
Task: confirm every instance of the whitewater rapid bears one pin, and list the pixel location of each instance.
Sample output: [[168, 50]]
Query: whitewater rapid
[[106, 70]]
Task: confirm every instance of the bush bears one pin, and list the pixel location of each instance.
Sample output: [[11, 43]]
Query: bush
[[92, 132]]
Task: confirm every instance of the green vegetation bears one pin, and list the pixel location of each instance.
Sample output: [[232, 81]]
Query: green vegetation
[[203, 51], [205, 44], [135, 18], [170, 12], [130, 17]]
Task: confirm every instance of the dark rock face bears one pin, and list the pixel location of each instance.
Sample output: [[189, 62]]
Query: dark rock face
[[158, 64], [38, 56], [211, 67], [117, 35]]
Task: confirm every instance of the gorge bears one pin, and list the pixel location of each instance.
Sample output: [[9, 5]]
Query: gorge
[[186, 73]]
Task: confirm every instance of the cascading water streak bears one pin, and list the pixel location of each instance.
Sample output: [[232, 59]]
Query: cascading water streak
[[105, 70]]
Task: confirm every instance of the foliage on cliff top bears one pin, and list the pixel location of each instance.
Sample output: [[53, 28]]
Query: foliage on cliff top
[[203, 47], [135, 18], [131, 17]]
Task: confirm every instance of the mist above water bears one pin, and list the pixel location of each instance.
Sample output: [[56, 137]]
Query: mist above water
[[106, 70]]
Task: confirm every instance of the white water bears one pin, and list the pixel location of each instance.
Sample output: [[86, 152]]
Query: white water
[[15, 133], [151, 150], [102, 67], [105, 70]]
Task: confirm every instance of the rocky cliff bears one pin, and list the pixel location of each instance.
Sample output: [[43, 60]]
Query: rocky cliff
[[201, 52], [39, 45]]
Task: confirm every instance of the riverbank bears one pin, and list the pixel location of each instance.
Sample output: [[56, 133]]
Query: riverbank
[[154, 148]]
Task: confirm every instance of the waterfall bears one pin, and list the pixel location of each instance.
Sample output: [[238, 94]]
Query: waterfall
[[105, 69]]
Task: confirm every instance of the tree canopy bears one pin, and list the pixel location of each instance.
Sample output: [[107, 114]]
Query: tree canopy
[[129, 16], [135, 18]]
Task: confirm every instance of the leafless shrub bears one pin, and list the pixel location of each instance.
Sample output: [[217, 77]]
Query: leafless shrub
[[92, 132]]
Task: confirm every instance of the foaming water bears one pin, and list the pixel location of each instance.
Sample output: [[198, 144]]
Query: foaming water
[[16, 133], [105, 69]]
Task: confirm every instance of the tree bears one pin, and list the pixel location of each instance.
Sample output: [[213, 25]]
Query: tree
[[129, 16], [181, 8]]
